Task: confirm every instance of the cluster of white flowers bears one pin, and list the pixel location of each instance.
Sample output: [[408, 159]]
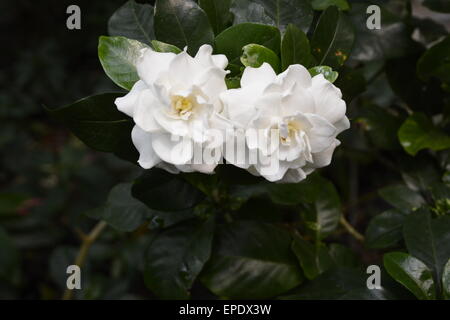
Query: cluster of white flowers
[[281, 127]]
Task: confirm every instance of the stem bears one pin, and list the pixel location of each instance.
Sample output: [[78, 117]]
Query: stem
[[358, 236], [87, 241]]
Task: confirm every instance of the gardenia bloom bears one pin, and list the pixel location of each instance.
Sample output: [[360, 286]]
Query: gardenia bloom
[[289, 122], [174, 104]]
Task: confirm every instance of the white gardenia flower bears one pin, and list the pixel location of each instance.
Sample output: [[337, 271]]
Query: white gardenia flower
[[174, 104], [289, 122]]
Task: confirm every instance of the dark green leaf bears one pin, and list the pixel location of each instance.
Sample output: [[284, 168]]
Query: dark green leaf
[[121, 210], [435, 62], [251, 260], [8, 255], [134, 21], [338, 284], [164, 47], [333, 38], [231, 41], [351, 82], [295, 48], [182, 23], [402, 197], [427, 239], [342, 256], [164, 191], [249, 11], [218, 12], [324, 4], [314, 258], [118, 56], [175, 258], [412, 273], [96, 121], [254, 55], [438, 5], [418, 132], [385, 230], [285, 12], [327, 73]]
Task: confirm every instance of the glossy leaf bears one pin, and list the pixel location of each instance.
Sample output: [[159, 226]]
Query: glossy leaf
[[249, 11], [324, 4], [427, 239], [342, 256], [134, 21], [418, 132], [254, 55], [164, 47], [96, 121], [313, 258], [295, 48], [251, 260], [385, 230], [327, 73], [231, 41], [435, 62], [333, 38], [121, 210], [411, 273], [175, 258], [219, 14], [351, 82], [164, 191], [285, 12], [182, 23], [446, 280], [402, 197], [118, 56]]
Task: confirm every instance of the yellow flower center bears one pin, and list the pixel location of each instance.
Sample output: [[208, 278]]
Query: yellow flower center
[[287, 131], [182, 107]]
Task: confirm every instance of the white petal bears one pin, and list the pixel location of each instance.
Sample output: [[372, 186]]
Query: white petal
[[152, 64], [321, 135], [295, 74], [174, 126], [327, 99], [298, 100], [172, 150], [144, 112], [207, 59], [262, 76], [238, 106], [143, 143], [323, 158], [342, 125], [127, 103], [183, 70], [293, 176]]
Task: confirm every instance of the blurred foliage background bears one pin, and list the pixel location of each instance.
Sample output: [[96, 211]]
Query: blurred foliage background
[[49, 180]]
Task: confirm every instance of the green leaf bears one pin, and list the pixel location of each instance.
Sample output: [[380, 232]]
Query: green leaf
[[446, 280], [327, 73], [295, 48], [254, 55], [249, 11], [411, 273], [435, 62], [314, 259], [427, 239], [134, 21], [343, 256], [385, 230], [321, 203], [164, 191], [438, 5], [402, 197], [338, 284], [333, 38], [118, 56], [218, 12], [324, 4], [121, 210], [285, 12], [175, 258], [96, 121], [418, 132], [164, 47], [182, 23], [231, 41], [251, 261]]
